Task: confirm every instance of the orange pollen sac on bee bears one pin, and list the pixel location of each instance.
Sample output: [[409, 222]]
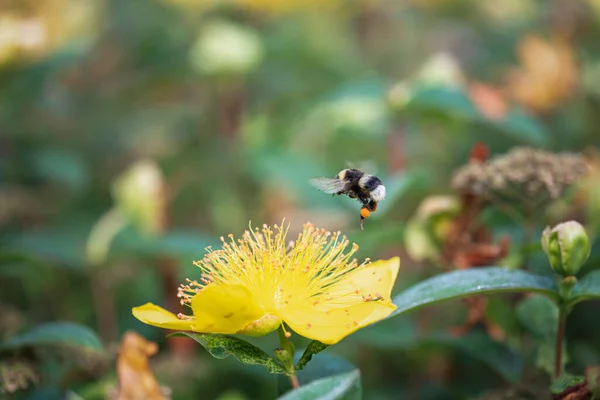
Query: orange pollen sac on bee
[[364, 212]]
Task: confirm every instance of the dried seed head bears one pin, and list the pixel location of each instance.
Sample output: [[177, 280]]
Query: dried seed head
[[524, 175]]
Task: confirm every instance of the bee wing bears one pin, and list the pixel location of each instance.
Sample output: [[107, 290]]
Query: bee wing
[[328, 185], [367, 166]]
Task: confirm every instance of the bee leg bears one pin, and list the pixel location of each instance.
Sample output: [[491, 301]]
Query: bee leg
[[362, 220]]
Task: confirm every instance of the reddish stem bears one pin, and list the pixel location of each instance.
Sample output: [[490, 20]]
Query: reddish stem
[[294, 381], [560, 336]]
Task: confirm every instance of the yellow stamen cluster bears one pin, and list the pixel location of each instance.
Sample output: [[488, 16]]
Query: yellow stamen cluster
[[278, 273]]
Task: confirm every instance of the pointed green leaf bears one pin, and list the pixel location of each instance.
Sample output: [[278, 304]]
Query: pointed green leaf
[[313, 348], [55, 333], [457, 284], [338, 387], [223, 346], [588, 288]]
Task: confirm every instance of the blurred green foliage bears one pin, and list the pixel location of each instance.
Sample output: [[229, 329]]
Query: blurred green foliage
[[237, 123]]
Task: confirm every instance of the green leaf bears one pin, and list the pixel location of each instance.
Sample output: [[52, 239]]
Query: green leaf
[[539, 315], [455, 103], [442, 100], [313, 348], [564, 382], [339, 387], [457, 284], [588, 288], [68, 168], [60, 245], [55, 333], [222, 346], [401, 333], [524, 127], [497, 356]]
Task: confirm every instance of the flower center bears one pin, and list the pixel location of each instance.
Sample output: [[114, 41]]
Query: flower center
[[279, 273]]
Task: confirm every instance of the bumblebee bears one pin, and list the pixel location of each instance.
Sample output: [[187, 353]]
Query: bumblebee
[[356, 184]]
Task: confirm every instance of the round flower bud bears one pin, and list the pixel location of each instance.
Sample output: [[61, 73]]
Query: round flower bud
[[567, 246]]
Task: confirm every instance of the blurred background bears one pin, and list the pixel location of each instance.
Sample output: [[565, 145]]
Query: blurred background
[[135, 133]]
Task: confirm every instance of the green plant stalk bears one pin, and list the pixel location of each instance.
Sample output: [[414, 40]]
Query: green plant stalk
[[288, 346], [560, 336], [565, 287]]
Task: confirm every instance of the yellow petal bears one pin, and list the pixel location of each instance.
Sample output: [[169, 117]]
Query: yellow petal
[[154, 315], [329, 320], [377, 279], [331, 326], [225, 309]]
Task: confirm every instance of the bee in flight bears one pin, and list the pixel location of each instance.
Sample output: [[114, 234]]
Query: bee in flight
[[356, 184]]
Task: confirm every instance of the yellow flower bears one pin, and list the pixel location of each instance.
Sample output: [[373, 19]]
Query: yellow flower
[[252, 285]]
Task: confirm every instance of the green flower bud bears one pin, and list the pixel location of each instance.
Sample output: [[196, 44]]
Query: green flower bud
[[139, 195], [567, 246]]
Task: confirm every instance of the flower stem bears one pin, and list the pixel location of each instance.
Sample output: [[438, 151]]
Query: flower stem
[[294, 381], [287, 347], [560, 336]]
